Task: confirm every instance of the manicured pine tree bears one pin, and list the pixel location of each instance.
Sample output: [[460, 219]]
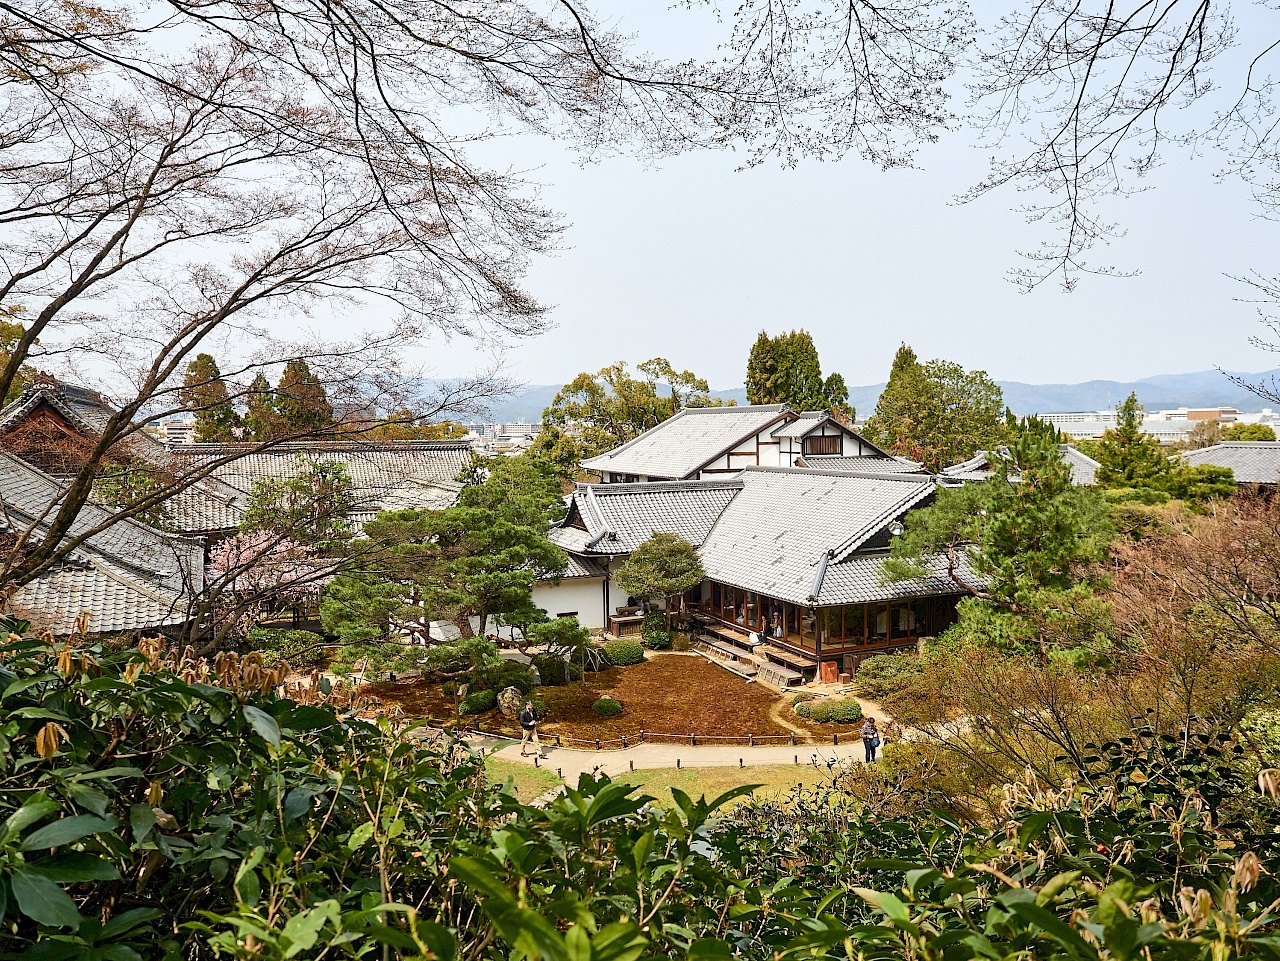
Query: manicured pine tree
[[204, 392]]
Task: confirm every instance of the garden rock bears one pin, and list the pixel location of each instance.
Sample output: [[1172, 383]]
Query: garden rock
[[510, 701]]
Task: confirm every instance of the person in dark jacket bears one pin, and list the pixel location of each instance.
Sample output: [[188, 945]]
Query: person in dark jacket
[[870, 738], [529, 725]]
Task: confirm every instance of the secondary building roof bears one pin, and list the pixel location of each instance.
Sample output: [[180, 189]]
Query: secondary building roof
[[790, 529], [980, 466], [127, 576], [681, 445], [1252, 462], [618, 518], [872, 464], [388, 475]]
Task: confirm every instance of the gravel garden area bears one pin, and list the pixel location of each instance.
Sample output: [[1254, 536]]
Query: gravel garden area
[[668, 693]]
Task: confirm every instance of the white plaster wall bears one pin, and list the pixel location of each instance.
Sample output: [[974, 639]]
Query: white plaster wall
[[582, 594]]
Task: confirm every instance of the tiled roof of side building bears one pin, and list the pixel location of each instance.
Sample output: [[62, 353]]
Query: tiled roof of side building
[[773, 537], [683, 444], [1083, 467], [85, 409], [378, 470], [126, 576], [868, 463], [859, 580], [1252, 462], [620, 517]]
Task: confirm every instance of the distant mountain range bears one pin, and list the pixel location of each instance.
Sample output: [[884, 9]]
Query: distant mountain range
[[1206, 388]]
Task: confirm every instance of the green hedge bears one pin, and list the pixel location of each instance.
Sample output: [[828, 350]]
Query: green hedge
[[555, 671], [607, 707], [624, 651], [299, 648], [508, 674], [884, 675], [833, 710], [477, 702]]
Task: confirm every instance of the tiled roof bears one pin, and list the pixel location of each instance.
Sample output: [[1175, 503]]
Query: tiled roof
[[384, 475], [1083, 467], [683, 444], [85, 409], [127, 575], [1252, 462], [979, 466], [859, 580], [620, 517], [582, 567], [773, 537], [807, 422], [869, 464]]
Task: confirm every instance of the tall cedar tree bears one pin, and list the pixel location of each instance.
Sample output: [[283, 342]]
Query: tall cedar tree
[[205, 394], [937, 413], [261, 420], [786, 370], [301, 401], [1129, 457], [666, 565]]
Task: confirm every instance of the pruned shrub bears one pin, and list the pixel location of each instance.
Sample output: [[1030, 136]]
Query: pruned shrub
[[556, 671], [624, 651], [803, 709], [654, 631], [299, 648], [607, 707], [477, 702], [883, 676], [507, 674], [833, 710]]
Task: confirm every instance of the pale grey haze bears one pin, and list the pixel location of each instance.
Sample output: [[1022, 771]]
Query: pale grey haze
[[689, 258]]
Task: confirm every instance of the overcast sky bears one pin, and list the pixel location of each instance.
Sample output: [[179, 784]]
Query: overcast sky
[[689, 259]]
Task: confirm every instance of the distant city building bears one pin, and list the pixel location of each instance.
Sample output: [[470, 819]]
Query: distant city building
[[176, 430]]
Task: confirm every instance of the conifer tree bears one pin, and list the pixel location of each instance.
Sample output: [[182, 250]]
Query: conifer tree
[[1130, 457], [261, 421], [786, 370], [205, 393], [301, 402]]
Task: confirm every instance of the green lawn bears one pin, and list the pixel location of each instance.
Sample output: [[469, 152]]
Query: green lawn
[[775, 780], [528, 782]]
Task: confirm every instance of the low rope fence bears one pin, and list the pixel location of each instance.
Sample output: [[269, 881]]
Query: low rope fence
[[624, 741]]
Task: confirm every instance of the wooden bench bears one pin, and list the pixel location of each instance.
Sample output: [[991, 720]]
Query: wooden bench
[[796, 661], [720, 651]]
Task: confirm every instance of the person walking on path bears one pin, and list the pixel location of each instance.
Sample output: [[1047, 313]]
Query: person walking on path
[[870, 738], [529, 725]]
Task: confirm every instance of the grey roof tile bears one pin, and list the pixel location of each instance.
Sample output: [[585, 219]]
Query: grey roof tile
[[127, 575], [1252, 462], [858, 580], [866, 463], [773, 535], [384, 475], [620, 517], [681, 445]]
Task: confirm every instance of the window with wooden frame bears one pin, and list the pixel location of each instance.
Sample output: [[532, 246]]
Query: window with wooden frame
[[818, 444]]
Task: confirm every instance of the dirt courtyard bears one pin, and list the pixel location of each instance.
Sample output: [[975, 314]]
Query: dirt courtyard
[[670, 694]]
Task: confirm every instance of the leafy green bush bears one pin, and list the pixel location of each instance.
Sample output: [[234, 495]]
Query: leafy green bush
[[883, 676], [623, 651], [299, 648], [556, 671], [654, 631], [607, 707], [505, 674], [833, 710], [477, 702], [804, 708]]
